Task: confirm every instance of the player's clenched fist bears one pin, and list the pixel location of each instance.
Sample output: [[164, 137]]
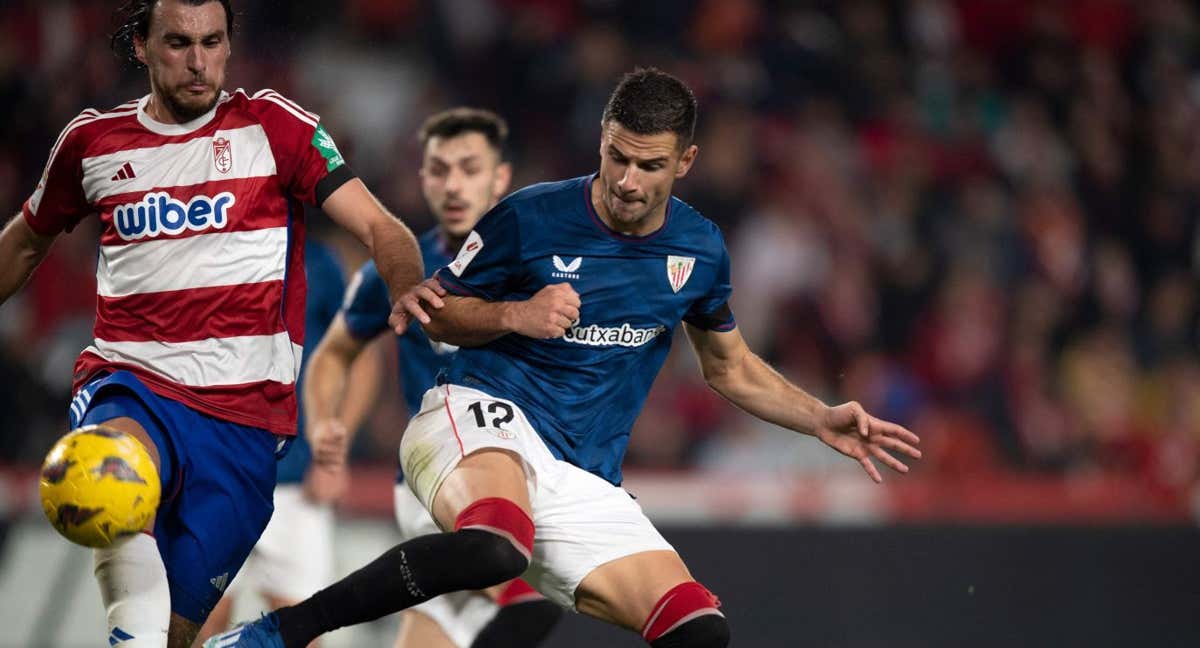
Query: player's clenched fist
[[330, 442], [548, 314]]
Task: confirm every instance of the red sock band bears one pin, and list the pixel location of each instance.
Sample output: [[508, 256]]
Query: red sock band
[[681, 604], [517, 591], [502, 517]]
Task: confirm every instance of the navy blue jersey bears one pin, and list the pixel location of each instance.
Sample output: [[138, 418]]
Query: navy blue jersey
[[325, 287], [582, 392], [366, 310]]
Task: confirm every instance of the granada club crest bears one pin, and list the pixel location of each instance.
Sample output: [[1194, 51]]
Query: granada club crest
[[222, 154], [679, 269]]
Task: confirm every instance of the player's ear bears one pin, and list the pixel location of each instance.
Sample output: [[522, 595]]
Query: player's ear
[[502, 179], [139, 49], [686, 160]]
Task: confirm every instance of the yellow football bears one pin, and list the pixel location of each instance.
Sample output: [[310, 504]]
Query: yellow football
[[98, 485]]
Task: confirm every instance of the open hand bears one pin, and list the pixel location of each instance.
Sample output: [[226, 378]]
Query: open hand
[[850, 430], [409, 307]]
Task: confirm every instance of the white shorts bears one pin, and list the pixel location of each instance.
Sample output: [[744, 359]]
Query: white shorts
[[294, 556], [581, 521], [461, 615]]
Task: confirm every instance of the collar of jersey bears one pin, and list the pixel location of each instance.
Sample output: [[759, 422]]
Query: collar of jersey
[[176, 129], [628, 238]]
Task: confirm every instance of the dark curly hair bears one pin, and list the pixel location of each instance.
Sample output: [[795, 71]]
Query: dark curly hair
[[134, 18]]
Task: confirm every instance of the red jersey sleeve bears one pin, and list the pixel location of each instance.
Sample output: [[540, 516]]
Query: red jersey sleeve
[[58, 202], [306, 157]]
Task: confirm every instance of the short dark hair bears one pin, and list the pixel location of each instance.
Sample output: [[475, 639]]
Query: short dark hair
[[134, 18], [649, 101], [456, 121]]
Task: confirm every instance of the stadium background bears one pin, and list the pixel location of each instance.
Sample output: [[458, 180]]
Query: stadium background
[[978, 217]]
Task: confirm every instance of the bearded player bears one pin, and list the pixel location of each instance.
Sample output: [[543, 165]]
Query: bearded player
[[200, 298]]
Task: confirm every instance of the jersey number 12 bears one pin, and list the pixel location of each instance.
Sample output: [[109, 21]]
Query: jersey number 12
[[493, 408]]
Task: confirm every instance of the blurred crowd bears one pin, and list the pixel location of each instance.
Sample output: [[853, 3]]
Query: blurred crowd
[[978, 218]]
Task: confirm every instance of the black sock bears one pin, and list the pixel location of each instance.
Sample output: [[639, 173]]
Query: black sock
[[406, 575], [705, 631], [520, 625]]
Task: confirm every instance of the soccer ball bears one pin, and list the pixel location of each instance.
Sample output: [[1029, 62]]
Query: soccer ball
[[98, 485]]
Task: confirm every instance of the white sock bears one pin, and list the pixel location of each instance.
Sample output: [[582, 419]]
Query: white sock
[[133, 586]]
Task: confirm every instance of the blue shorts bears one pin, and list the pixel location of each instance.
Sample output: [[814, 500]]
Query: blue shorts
[[217, 483]]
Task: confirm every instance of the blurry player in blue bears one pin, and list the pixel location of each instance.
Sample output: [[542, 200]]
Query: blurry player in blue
[[463, 174], [294, 556], [569, 293]]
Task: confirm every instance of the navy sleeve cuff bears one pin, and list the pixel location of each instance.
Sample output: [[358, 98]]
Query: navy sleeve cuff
[[454, 287], [720, 319]]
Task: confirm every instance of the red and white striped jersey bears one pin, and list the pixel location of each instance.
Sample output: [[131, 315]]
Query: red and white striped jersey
[[200, 279]]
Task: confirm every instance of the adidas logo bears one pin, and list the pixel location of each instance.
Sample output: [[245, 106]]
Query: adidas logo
[[117, 636], [225, 640], [126, 173], [220, 581]]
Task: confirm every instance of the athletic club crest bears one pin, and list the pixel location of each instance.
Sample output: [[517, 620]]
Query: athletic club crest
[[679, 269], [222, 154]]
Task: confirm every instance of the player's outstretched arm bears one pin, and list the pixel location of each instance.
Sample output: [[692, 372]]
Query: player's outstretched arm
[[21, 250], [391, 243], [735, 372], [470, 321]]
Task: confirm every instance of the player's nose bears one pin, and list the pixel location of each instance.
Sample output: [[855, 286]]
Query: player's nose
[[629, 181], [195, 59], [454, 180]]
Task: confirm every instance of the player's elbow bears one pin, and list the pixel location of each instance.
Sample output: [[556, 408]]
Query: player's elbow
[[444, 335], [723, 388], [716, 374], [437, 330], [377, 228], [20, 240], [337, 350], [723, 375], [442, 328], [22, 249], [384, 234]]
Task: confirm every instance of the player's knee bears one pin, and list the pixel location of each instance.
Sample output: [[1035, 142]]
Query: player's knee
[[495, 559], [687, 617], [501, 537]]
